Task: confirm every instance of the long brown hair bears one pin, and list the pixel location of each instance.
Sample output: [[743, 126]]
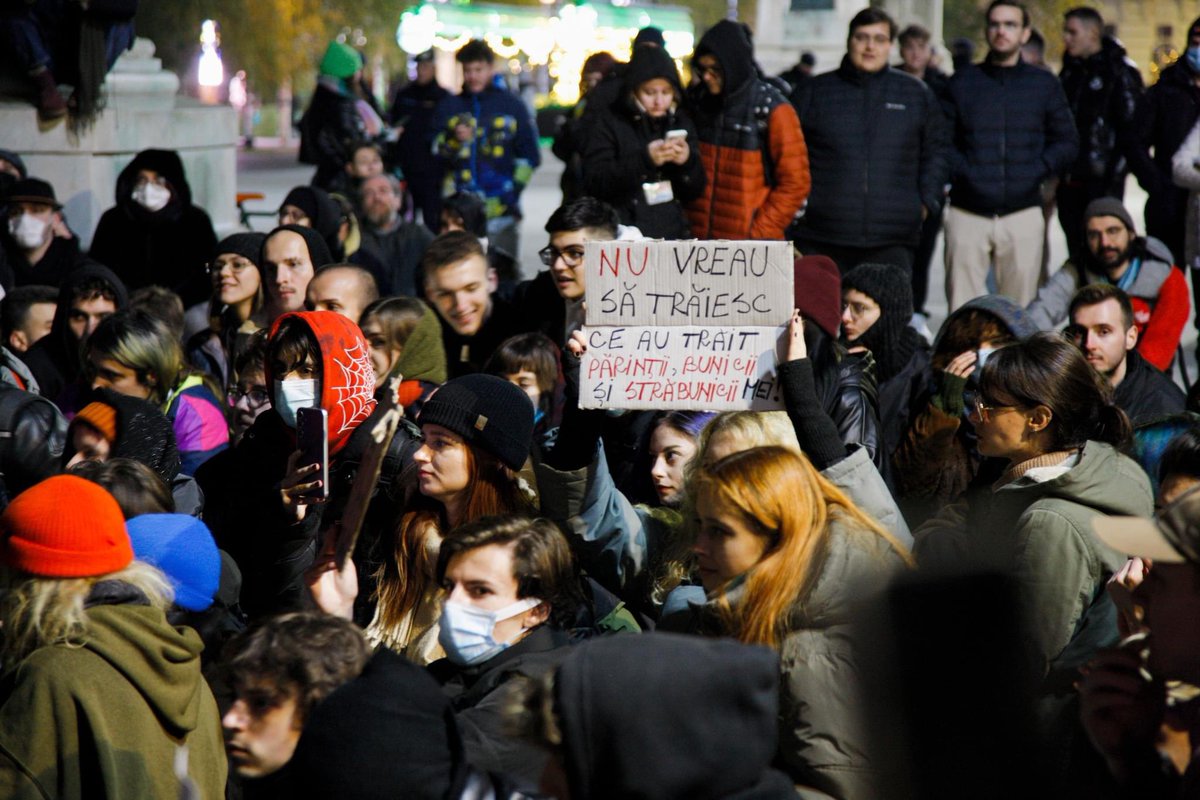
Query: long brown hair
[[411, 573], [780, 494]]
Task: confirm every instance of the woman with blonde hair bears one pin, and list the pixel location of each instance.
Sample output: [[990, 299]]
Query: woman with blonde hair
[[787, 560], [79, 613]]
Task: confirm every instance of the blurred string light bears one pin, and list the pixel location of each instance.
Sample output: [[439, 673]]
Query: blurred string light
[[561, 42], [211, 71]]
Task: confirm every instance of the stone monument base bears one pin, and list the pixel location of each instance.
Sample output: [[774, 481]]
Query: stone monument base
[[142, 111]]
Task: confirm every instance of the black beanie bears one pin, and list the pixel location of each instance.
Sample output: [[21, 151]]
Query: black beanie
[[888, 339], [322, 210], [318, 250], [246, 245], [488, 412]]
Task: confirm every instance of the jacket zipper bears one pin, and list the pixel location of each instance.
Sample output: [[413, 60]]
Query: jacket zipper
[[712, 203]]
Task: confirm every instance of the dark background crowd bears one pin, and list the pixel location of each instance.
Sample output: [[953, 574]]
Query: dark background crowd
[[317, 513]]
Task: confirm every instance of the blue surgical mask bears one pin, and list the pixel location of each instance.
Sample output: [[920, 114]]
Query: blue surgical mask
[[1193, 58], [290, 396], [981, 357], [466, 632]]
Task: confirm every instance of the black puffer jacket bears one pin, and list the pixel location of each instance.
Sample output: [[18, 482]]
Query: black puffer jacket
[[1012, 130], [1103, 91], [169, 247], [615, 158], [877, 152]]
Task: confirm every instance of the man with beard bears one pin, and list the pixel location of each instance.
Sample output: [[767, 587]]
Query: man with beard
[[401, 243], [1103, 328], [1139, 266]]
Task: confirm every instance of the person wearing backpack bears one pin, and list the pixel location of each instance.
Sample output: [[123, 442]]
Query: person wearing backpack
[[754, 156]]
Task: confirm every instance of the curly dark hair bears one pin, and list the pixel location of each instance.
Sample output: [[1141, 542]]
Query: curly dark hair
[[305, 654]]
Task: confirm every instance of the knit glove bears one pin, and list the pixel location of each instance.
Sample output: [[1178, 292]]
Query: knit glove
[[950, 399]]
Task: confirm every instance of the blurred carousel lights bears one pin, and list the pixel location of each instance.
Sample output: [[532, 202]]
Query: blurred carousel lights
[[418, 29], [210, 71]]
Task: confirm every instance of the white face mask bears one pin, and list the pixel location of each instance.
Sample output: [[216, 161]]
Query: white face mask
[[151, 196], [466, 631], [28, 231], [291, 396]]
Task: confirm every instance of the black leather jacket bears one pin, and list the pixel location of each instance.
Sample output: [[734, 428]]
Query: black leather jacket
[[34, 433], [847, 390], [1103, 91]]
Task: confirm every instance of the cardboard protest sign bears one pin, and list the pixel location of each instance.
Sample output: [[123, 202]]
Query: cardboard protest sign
[[685, 325]]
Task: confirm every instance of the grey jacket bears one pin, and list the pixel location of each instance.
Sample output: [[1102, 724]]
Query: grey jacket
[[1049, 309]]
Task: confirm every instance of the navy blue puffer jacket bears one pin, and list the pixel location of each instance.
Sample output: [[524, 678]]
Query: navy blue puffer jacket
[[877, 152], [1012, 130]]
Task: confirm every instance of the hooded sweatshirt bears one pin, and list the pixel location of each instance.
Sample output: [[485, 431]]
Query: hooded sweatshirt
[[55, 359], [105, 720], [347, 377], [323, 213], [623, 704], [422, 363], [168, 247], [616, 163], [388, 733], [754, 187]]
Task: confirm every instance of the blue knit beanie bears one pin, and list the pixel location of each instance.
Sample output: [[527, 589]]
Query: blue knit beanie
[[182, 547]]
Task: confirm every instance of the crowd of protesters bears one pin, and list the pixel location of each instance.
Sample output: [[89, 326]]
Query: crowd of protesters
[[937, 571]]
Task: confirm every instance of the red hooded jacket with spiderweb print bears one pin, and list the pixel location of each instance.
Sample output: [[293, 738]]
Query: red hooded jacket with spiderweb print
[[347, 377]]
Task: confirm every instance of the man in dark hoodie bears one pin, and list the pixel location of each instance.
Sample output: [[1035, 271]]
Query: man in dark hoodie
[[291, 255], [754, 156], [155, 235], [659, 715], [877, 152], [87, 295], [40, 248]]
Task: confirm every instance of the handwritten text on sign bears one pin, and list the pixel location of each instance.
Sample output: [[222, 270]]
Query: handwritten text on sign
[[644, 367], [688, 283]]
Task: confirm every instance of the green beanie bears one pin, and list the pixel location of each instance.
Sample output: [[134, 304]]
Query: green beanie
[[340, 60]]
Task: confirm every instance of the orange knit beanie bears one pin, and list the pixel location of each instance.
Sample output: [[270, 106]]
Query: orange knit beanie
[[64, 527]]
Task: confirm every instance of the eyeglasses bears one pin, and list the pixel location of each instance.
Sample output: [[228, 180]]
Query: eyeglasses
[[256, 396], [856, 309], [572, 256], [977, 408], [238, 266], [701, 70]]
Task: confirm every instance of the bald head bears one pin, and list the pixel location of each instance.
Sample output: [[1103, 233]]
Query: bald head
[[343, 288]]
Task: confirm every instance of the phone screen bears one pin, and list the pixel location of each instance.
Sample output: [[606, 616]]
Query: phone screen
[[312, 440]]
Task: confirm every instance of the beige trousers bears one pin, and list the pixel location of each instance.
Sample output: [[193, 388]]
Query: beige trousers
[[1013, 243]]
